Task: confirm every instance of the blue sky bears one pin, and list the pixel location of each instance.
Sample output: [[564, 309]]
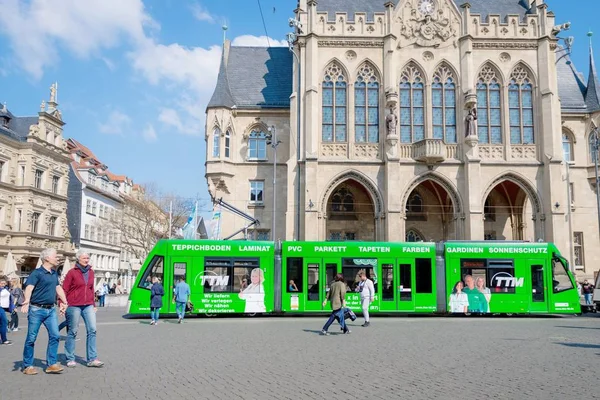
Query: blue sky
[[135, 76]]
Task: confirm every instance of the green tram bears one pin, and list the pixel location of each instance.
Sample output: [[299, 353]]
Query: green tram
[[246, 277]]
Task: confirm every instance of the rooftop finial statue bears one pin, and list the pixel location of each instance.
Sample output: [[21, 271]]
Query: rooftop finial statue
[[53, 89]]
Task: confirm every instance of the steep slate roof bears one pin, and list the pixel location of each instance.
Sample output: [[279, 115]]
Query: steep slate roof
[[592, 94], [18, 127], [481, 7], [571, 88], [254, 77]]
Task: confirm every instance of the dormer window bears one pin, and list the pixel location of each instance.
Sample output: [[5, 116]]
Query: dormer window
[[4, 121]]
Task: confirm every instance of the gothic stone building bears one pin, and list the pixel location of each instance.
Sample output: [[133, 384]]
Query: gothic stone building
[[34, 175], [419, 120]]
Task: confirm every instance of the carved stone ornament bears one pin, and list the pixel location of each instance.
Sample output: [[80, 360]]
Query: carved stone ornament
[[350, 55], [504, 57], [428, 27], [350, 43], [427, 56]]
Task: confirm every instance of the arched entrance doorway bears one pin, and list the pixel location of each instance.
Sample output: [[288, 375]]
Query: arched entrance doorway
[[430, 213], [506, 210], [350, 213]]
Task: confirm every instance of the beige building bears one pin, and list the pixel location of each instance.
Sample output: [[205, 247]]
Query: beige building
[[419, 120], [34, 175]]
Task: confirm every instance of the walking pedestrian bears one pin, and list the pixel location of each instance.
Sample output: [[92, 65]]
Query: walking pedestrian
[[588, 291], [79, 289], [367, 295], [19, 298], [181, 297], [6, 306], [156, 294], [40, 291], [337, 297], [102, 292]]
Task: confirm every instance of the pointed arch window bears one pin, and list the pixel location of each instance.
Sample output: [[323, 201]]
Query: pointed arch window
[[567, 145], [342, 201], [257, 145], [412, 103], [413, 236], [334, 105], [443, 96], [216, 142], [520, 103], [415, 203], [227, 143], [366, 106], [489, 115]]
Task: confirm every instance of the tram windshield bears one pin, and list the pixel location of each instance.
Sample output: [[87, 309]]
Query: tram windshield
[[560, 275]]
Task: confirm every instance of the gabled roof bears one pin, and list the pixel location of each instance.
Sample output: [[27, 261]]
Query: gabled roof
[[254, 77], [485, 8], [17, 127]]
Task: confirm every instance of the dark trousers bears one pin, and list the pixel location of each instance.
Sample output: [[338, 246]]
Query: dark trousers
[[14, 320], [336, 314]]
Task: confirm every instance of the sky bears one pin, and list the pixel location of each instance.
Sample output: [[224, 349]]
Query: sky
[[134, 76]]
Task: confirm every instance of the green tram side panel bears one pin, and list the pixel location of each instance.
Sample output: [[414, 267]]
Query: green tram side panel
[[217, 292], [319, 257], [507, 270]]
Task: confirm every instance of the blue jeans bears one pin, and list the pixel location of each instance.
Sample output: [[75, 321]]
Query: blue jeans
[[89, 319], [154, 313], [101, 300], [3, 325], [180, 308], [336, 314], [35, 318], [588, 298]]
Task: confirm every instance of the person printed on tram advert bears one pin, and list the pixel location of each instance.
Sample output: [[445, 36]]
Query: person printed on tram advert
[[459, 301], [477, 300], [254, 294], [480, 285]]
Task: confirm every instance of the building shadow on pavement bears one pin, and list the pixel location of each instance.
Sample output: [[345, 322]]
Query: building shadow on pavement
[[577, 327], [580, 345]]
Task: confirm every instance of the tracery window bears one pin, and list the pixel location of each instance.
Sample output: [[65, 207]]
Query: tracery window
[[366, 106], [520, 104], [342, 201], [567, 146], [412, 102], [227, 143], [216, 142], [415, 203], [489, 115], [257, 145], [413, 236], [334, 128], [443, 96]]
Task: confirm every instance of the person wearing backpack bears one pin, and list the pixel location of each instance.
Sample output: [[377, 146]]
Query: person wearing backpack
[[19, 298]]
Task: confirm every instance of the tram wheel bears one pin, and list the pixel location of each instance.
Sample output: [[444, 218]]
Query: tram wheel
[[210, 315]]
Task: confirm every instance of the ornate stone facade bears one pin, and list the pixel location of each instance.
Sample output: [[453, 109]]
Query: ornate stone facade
[[475, 151], [34, 176]]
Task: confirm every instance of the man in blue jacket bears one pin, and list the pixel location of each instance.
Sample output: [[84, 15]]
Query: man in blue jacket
[[181, 295]]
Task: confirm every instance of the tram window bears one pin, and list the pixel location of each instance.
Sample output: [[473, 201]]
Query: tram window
[[560, 277], [537, 283], [387, 280], [294, 273], [330, 272], [351, 277], [241, 278], [154, 269], [405, 283], [313, 281], [179, 270], [217, 279], [423, 275], [501, 277], [352, 266]]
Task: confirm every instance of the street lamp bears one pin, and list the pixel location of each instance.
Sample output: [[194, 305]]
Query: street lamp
[[273, 142], [291, 39]]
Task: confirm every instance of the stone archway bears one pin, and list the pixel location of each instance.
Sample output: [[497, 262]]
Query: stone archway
[[506, 210], [432, 208]]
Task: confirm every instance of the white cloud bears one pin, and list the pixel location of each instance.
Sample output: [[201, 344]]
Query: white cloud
[[149, 134], [202, 14], [117, 122], [250, 40], [109, 64], [36, 28]]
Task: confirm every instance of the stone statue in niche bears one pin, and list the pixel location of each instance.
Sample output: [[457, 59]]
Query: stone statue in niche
[[471, 122], [391, 121]]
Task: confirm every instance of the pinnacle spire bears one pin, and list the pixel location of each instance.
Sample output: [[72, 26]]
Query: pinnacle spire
[[592, 95]]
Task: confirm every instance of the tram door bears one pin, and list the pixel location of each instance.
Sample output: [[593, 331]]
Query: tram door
[[397, 283], [539, 286], [180, 266], [318, 275]]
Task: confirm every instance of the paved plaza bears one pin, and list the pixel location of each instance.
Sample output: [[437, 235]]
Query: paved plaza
[[286, 358]]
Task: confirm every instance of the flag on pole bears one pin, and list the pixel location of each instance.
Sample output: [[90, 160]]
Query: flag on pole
[[216, 224], [189, 229]]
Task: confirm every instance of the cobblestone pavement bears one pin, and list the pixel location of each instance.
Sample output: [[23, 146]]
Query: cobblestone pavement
[[285, 358]]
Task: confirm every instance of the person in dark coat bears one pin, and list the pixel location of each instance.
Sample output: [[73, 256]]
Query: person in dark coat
[[156, 294]]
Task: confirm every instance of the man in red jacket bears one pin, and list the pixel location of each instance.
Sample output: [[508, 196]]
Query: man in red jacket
[[79, 288]]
